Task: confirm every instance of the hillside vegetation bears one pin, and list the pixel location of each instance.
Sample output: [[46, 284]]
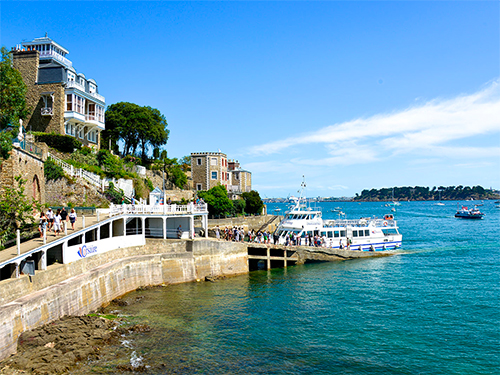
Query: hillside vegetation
[[419, 193]]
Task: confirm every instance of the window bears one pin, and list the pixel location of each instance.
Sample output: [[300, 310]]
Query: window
[[330, 234], [237, 176], [214, 175], [199, 187], [81, 133], [361, 233], [92, 136], [213, 161], [355, 233], [336, 233], [70, 129], [342, 233], [198, 161], [69, 102], [367, 233]]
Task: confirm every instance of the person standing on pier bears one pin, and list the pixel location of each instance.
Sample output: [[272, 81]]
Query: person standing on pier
[[57, 223], [72, 218], [64, 218], [217, 232], [50, 219], [43, 224]]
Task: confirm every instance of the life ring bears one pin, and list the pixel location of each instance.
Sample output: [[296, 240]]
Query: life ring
[[385, 223]]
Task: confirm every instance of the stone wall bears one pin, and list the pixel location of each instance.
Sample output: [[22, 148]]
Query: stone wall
[[80, 193], [85, 285], [29, 167], [27, 63], [247, 222]]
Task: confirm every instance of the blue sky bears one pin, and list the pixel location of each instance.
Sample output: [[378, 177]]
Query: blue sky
[[352, 95]]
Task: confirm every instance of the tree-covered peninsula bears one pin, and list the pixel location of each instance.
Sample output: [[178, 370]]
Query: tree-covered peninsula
[[420, 193]]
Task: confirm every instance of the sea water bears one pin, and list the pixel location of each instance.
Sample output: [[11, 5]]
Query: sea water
[[433, 309]]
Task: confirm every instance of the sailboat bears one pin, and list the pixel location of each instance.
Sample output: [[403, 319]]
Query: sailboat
[[439, 203], [394, 203]]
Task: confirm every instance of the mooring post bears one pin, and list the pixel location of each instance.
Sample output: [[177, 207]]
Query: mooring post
[[97, 215], [268, 258], [44, 235], [18, 241], [285, 254], [83, 222]]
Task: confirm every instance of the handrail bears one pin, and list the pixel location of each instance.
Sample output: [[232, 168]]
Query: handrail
[[190, 208]]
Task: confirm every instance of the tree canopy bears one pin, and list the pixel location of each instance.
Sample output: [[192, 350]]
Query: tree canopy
[[12, 94], [136, 126], [253, 202], [171, 167], [16, 210], [218, 202], [425, 193]]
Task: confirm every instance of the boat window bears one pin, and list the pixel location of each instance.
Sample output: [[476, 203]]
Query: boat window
[[367, 233], [361, 233], [323, 234], [355, 233], [342, 233], [309, 233], [336, 233], [330, 234], [389, 231]]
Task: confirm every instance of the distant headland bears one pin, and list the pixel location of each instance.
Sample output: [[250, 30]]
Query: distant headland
[[420, 193]]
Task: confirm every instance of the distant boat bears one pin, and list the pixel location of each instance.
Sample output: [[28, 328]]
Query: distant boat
[[469, 213], [439, 203]]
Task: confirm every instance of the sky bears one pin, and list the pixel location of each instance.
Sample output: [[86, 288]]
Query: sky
[[352, 95]]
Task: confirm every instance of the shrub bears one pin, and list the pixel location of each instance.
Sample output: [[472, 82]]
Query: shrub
[[52, 170], [63, 143], [149, 184], [113, 195]]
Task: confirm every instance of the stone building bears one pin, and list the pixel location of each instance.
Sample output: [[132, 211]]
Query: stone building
[[62, 100], [240, 180], [209, 169]]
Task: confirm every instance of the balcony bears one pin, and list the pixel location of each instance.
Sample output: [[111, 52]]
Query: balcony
[[76, 85], [94, 120], [47, 111], [55, 55]]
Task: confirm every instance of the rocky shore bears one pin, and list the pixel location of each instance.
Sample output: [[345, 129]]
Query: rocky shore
[[57, 347]]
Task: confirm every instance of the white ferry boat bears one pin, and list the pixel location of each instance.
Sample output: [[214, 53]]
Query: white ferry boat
[[302, 223]]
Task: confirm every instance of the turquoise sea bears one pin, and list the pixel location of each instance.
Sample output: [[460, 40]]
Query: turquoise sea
[[434, 309]]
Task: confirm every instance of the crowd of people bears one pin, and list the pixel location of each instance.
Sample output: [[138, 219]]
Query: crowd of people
[[237, 234], [56, 222]]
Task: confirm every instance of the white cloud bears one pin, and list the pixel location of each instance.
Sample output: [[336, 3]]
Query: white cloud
[[429, 128]]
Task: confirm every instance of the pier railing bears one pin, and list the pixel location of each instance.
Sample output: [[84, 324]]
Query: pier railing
[[159, 209]]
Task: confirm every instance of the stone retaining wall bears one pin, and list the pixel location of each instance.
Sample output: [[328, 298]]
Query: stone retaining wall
[[247, 222], [85, 285]]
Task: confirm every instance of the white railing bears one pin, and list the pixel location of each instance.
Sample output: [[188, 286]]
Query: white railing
[[125, 185], [97, 96], [56, 56], [46, 111], [167, 209], [75, 85], [79, 86], [94, 118]]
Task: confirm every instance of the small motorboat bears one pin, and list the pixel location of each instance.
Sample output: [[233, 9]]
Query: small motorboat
[[469, 213]]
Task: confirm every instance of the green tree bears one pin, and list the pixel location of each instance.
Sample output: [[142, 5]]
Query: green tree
[[253, 202], [12, 94], [136, 126], [218, 202], [16, 210]]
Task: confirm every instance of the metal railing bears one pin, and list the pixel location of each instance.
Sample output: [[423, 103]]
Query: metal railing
[[159, 209], [31, 148]]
